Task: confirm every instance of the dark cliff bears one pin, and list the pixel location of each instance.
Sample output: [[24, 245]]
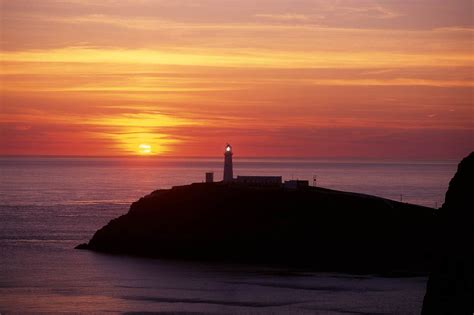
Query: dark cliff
[[326, 229], [449, 289]]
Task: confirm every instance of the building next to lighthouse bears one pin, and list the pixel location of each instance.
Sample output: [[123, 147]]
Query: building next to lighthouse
[[259, 180]]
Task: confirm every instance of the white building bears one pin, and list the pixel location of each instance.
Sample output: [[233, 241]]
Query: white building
[[259, 180]]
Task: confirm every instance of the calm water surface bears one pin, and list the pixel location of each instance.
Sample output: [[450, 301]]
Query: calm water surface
[[49, 205]]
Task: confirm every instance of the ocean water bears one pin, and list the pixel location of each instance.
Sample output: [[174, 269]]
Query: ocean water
[[49, 205]]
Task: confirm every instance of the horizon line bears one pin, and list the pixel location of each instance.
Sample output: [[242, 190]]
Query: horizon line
[[236, 157]]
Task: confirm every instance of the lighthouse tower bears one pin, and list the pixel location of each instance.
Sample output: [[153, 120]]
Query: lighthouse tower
[[228, 172]]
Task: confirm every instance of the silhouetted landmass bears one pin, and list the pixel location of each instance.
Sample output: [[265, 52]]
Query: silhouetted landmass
[[317, 227], [449, 289]]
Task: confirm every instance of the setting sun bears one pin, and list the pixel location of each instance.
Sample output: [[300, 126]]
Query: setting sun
[[144, 148]]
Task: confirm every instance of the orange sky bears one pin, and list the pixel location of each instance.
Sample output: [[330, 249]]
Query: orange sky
[[366, 79]]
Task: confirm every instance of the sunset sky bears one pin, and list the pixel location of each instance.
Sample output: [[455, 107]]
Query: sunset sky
[[275, 78]]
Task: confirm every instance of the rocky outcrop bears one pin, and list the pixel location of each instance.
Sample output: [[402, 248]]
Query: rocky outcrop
[[449, 288], [326, 229]]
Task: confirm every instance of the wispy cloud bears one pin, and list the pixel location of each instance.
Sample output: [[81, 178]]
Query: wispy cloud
[[288, 17]]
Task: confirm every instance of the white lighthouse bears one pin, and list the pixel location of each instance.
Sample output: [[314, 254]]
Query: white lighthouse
[[228, 172]]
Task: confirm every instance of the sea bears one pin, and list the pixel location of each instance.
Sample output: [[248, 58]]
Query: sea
[[49, 205]]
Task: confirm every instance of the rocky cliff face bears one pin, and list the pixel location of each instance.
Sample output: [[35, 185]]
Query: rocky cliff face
[[327, 229], [449, 289]]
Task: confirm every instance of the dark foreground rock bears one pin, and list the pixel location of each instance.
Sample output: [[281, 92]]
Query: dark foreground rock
[[449, 289], [325, 229]]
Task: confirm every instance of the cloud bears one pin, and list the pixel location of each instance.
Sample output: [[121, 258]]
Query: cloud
[[376, 11], [23, 127], [263, 58], [287, 17], [326, 13]]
